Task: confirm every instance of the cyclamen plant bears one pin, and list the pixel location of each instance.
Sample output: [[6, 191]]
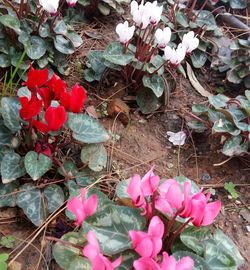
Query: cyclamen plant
[[35, 31], [145, 55], [36, 129], [115, 237]]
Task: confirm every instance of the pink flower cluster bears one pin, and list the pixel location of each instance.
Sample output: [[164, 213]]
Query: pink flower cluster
[[148, 194], [149, 244], [81, 209]]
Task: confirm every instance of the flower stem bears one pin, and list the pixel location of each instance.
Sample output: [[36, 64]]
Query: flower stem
[[21, 9]]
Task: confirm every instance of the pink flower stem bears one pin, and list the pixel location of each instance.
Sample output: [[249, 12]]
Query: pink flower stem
[[27, 8], [202, 7], [192, 8], [171, 222], [12, 6], [175, 234]]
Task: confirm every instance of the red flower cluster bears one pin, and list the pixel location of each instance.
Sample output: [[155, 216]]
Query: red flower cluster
[[43, 92]]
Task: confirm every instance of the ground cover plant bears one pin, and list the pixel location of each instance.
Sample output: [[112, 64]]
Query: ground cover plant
[[39, 30], [74, 144]]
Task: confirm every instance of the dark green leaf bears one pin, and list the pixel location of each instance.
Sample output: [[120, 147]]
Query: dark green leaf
[[155, 83], [147, 101]]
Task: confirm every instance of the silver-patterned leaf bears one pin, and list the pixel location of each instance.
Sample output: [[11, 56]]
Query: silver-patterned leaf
[[36, 164]]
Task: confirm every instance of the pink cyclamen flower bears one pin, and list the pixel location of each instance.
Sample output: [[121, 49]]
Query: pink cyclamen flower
[[148, 244], [154, 12], [170, 197], [125, 32], [169, 262], [139, 188], [50, 6], [140, 14], [197, 207], [145, 263], [97, 259], [71, 3], [82, 208]]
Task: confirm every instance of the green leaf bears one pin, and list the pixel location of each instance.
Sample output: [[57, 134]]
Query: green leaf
[[67, 255], [197, 126], [218, 101], [230, 187], [11, 22], [30, 200], [55, 197], [95, 59], [4, 60], [182, 179], [75, 39], [63, 45], [225, 126], [199, 262], [36, 48], [95, 155], [10, 112], [115, 54], [147, 101], [223, 242], [86, 129], [104, 9], [235, 147], [5, 135], [181, 18], [36, 164], [8, 195], [198, 58], [128, 258], [155, 83], [247, 94], [205, 17], [111, 227], [121, 189], [238, 4], [37, 204], [3, 258], [194, 239], [199, 109], [8, 241], [12, 167]]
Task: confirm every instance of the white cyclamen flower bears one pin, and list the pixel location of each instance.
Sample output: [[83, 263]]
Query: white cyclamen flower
[[140, 14], [162, 37], [175, 56], [154, 12], [190, 41], [71, 3], [50, 6], [125, 32], [177, 138]]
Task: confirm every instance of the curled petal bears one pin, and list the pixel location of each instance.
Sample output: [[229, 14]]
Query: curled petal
[[212, 210]]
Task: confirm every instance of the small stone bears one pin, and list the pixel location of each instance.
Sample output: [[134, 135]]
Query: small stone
[[248, 228], [206, 177], [238, 202], [230, 197], [170, 165], [142, 121]]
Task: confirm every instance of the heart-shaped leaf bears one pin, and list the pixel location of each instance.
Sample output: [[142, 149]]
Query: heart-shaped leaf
[[12, 167], [155, 83], [10, 21], [95, 155], [235, 147], [36, 164], [115, 53], [111, 227], [147, 101], [69, 257], [37, 204], [5, 135], [64, 45], [10, 113], [86, 129], [8, 195]]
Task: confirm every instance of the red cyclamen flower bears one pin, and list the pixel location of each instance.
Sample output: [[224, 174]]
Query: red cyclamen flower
[[30, 108], [82, 208], [97, 259], [55, 118], [75, 99], [36, 78]]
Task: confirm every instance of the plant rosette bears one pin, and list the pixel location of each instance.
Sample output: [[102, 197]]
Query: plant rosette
[[145, 55], [36, 130], [166, 228], [40, 31]]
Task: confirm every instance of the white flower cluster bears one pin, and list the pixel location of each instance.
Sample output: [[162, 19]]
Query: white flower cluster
[[150, 14], [51, 6]]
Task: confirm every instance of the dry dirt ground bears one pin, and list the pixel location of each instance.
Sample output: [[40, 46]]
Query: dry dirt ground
[[144, 143]]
